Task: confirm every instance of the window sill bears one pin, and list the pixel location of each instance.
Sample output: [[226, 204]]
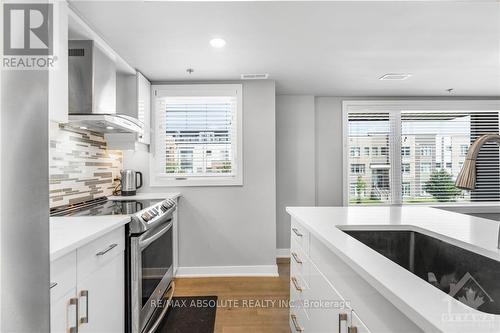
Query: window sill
[[161, 181]]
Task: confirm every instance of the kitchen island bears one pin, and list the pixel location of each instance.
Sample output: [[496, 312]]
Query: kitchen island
[[375, 293]]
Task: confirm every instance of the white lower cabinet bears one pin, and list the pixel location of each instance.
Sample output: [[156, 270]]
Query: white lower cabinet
[[101, 299], [87, 287], [64, 313], [316, 305]]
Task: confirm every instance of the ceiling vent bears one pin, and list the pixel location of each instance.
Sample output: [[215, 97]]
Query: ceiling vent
[[395, 77], [254, 76]]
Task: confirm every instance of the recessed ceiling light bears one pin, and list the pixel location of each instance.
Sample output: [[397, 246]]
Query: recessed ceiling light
[[110, 127], [218, 43], [83, 127], [395, 77]]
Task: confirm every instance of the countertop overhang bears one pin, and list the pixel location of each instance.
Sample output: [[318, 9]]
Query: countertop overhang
[[427, 306]]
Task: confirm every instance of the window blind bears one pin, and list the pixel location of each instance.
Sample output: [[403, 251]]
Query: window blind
[[428, 147], [198, 135], [441, 140]]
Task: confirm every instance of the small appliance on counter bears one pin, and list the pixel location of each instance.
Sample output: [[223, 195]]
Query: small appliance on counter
[[131, 180]]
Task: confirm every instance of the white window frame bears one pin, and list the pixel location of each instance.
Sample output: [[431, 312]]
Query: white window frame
[[164, 180], [393, 107]]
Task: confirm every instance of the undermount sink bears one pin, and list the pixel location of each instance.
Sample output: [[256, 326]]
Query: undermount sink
[[470, 278]]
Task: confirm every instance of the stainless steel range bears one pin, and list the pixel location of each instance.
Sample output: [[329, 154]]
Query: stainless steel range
[[149, 255]]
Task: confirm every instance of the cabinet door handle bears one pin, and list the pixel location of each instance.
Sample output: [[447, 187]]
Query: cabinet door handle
[[296, 284], [298, 328], [85, 293], [352, 329], [53, 284], [106, 250], [296, 258], [74, 301], [342, 317], [297, 232]]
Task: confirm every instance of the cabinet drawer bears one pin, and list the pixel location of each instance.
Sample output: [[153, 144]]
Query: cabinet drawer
[[62, 275], [299, 262], [99, 252], [328, 311], [300, 235], [299, 322]]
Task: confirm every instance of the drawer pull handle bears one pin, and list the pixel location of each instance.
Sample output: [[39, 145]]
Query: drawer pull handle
[[296, 284], [53, 284], [109, 248], [85, 293], [342, 317], [296, 258], [297, 232], [298, 328], [74, 301]]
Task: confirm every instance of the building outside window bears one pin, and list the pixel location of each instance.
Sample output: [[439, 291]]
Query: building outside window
[[355, 152], [375, 151], [367, 151], [357, 168], [426, 151], [405, 167], [406, 189], [425, 167], [464, 149], [405, 151]]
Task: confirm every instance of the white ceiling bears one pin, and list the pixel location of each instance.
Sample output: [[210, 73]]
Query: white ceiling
[[320, 48]]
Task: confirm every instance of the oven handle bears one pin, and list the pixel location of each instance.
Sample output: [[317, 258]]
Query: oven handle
[[143, 243], [164, 311]]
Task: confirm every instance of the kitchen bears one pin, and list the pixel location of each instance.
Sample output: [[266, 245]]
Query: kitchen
[[168, 139]]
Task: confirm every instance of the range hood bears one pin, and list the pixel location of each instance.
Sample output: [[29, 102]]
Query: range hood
[[92, 91]]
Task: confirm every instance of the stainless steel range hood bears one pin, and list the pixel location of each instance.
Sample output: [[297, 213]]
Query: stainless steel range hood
[[92, 91]]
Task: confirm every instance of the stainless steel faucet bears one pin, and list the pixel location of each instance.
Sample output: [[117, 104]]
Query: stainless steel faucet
[[467, 177]]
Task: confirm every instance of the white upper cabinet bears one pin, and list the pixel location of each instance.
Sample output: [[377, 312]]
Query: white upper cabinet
[[58, 75], [144, 106]]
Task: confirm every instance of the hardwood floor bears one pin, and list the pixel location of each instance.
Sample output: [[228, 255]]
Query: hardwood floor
[[245, 304]]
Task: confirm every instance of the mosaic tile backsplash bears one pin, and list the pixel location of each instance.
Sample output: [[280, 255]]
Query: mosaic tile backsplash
[[81, 166]]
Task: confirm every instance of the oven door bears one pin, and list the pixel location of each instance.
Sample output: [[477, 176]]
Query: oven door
[[152, 272]]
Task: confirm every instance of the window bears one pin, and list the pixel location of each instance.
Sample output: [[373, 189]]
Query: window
[[426, 144], [367, 151], [197, 137], [464, 149], [406, 190], [405, 167], [405, 151], [357, 168], [426, 151], [355, 152], [425, 167]]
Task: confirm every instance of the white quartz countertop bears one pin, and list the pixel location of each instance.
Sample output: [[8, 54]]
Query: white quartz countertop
[[426, 305], [71, 232]]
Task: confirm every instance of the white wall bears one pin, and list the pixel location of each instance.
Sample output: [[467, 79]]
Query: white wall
[[231, 226], [295, 155]]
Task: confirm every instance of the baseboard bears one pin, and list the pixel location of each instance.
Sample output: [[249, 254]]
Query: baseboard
[[228, 271], [282, 253]]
